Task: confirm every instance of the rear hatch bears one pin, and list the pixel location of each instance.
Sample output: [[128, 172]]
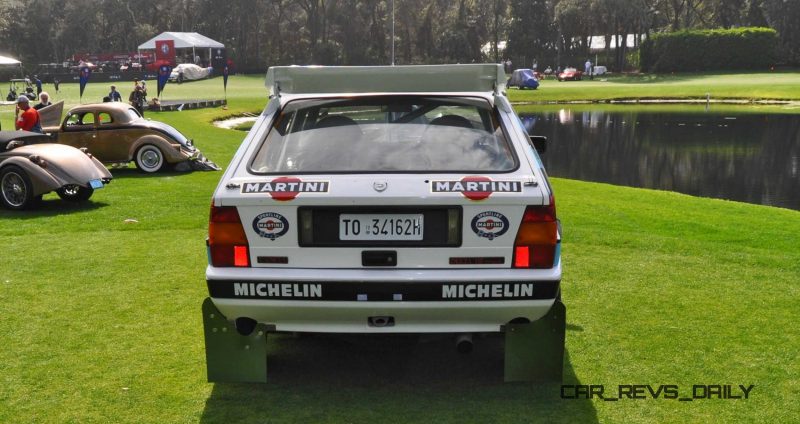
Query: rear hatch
[[401, 181], [379, 220]]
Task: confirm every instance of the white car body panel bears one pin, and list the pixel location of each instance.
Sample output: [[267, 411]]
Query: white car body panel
[[415, 264]]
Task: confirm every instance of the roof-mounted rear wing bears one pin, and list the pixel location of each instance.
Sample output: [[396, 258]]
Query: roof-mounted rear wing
[[488, 77]]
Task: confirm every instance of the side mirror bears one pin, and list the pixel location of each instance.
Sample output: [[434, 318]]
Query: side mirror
[[539, 142]]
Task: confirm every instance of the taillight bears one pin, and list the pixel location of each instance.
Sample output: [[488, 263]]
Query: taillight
[[227, 242], [535, 245]]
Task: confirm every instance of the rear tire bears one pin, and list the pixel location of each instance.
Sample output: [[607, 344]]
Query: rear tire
[[149, 159], [16, 189], [75, 193]]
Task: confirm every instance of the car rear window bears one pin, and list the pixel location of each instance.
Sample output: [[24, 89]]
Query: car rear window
[[133, 114], [386, 134]]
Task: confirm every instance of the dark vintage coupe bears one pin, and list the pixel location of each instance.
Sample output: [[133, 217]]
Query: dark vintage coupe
[[31, 165], [115, 132]]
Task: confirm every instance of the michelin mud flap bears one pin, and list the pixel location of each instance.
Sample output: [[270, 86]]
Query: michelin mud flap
[[535, 351], [231, 357]]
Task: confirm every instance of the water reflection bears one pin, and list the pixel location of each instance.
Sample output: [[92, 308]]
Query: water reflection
[[735, 156]]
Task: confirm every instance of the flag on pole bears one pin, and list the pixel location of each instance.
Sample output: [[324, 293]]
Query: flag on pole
[[85, 73], [165, 51], [225, 80], [163, 76]]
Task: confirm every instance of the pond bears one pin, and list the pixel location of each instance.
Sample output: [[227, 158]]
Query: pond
[[734, 154]]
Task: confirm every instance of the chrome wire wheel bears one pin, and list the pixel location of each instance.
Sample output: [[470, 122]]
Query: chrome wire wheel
[[74, 193], [15, 188], [71, 189]]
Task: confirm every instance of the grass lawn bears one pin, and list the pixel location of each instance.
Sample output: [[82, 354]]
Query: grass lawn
[[101, 317], [748, 86]]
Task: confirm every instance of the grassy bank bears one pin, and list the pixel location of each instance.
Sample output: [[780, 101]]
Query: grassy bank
[[747, 86], [247, 92], [101, 315]]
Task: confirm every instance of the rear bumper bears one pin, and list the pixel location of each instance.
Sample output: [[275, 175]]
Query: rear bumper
[[344, 300]]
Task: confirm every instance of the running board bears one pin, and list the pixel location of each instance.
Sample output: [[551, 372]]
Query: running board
[[231, 357], [535, 351]]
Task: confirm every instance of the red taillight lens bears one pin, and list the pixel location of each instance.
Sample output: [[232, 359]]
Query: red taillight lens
[[535, 245], [227, 242], [522, 257]]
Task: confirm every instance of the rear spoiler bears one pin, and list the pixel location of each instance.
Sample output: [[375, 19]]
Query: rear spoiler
[[487, 77]]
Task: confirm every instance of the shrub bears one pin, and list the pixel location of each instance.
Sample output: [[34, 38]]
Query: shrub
[[709, 50]]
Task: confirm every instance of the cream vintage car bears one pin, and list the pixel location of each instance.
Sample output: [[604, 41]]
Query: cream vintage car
[[115, 132], [30, 166]]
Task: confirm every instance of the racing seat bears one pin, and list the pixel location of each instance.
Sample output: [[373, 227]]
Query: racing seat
[[336, 121], [452, 140], [341, 137], [451, 121]]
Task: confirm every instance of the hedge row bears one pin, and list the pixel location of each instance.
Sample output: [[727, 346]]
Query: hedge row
[[709, 50]]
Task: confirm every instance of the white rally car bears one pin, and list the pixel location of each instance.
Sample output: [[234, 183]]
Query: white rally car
[[405, 199]]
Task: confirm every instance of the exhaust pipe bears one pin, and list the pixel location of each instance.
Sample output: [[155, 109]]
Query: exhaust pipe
[[380, 321], [245, 326], [464, 343]]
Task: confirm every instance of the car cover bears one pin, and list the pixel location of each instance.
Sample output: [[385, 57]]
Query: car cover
[[190, 72], [200, 163], [523, 78]]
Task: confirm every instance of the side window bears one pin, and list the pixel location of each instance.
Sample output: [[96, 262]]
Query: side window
[[104, 118], [73, 119], [88, 118]]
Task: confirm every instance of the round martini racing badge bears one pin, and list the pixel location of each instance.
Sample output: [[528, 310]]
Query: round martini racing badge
[[490, 224], [270, 225]]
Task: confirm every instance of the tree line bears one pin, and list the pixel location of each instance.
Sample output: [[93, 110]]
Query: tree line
[[262, 33]]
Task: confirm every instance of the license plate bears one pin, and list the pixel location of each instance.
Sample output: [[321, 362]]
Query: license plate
[[95, 184], [406, 226]]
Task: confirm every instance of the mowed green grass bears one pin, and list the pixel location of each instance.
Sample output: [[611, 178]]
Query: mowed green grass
[[755, 86], [744, 86], [101, 317]]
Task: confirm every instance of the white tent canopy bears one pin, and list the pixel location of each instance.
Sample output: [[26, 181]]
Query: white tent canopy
[[5, 60], [183, 40]]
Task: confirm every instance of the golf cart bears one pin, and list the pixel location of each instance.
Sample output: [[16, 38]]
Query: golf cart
[[14, 90]]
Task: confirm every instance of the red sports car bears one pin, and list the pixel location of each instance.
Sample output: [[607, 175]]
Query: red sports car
[[570, 74]]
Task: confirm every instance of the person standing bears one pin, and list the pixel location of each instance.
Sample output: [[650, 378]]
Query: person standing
[[114, 95], [38, 83], [44, 101], [26, 118], [136, 99], [587, 68], [56, 82]]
